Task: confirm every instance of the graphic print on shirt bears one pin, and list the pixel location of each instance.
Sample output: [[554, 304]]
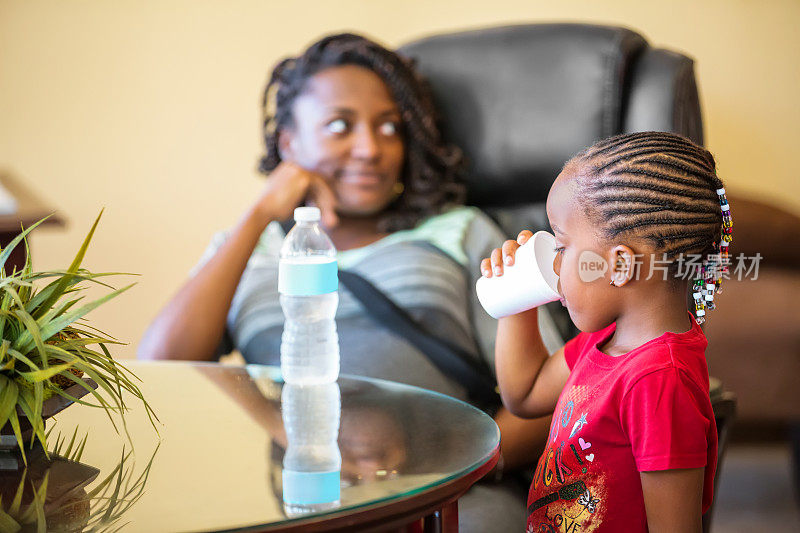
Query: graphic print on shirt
[[568, 492]]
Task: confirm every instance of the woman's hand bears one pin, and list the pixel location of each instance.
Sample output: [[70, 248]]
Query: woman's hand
[[192, 324], [504, 256], [288, 186]]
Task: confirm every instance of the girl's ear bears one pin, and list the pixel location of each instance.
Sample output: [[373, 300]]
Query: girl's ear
[[622, 265]]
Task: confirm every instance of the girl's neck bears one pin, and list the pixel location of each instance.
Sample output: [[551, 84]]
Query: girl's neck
[[649, 319], [354, 232]]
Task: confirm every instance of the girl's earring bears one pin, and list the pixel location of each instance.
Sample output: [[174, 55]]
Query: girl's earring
[[398, 188], [622, 275]]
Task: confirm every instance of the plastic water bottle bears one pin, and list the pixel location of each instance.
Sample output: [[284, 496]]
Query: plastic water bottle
[[308, 283], [312, 464]]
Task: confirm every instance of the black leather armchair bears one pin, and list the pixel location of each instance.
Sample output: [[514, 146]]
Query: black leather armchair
[[520, 100]]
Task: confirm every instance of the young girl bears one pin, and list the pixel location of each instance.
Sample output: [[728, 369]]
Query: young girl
[[633, 442]]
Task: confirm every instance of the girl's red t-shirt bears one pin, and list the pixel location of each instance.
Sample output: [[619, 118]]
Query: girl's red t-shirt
[[646, 410]]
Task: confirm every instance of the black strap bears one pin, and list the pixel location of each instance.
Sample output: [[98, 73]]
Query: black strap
[[447, 357]]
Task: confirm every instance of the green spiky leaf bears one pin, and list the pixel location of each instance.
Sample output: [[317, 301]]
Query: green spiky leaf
[[45, 339]]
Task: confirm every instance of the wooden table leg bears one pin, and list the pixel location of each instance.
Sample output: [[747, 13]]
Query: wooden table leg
[[444, 520], [433, 522], [417, 526], [450, 517]]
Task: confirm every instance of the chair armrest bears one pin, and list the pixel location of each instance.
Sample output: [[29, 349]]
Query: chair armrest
[[762, 228]]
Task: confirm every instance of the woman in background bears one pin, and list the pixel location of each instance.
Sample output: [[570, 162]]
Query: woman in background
[[350, 127]]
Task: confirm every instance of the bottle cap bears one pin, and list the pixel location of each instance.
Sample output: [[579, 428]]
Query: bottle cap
[[307, 214]]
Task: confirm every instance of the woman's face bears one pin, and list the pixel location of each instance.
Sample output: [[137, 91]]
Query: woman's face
[[346, 127]]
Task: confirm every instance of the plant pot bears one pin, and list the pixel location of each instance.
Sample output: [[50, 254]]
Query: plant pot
[[66, 504]]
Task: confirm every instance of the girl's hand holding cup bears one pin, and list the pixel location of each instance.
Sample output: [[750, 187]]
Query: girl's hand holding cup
[[505, 255], [519, 276]]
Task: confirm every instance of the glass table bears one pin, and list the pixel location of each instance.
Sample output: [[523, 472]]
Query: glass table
[[237, 450]]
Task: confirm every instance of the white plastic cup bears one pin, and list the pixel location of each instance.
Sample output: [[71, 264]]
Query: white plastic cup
[[528, 283]]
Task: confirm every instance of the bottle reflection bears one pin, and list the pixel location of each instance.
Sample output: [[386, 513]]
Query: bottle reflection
[[312, 464]]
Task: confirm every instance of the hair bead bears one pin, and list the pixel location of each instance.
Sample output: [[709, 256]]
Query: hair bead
[[715, 271]]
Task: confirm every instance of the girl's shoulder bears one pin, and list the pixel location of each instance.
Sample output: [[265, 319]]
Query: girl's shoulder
[[681, 356], [670, 358], [667, 350], [683, 351]]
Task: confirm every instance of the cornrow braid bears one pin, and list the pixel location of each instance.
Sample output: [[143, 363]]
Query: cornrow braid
[[431, 169], [663, 188]]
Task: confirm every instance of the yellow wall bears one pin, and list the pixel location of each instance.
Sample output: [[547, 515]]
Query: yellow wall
[[150, 108]]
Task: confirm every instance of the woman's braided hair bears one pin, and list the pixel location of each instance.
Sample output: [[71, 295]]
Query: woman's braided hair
[[663, 188], [431, 168]]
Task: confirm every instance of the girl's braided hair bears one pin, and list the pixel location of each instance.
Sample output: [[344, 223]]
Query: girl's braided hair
[[663, 188], [431, 167]]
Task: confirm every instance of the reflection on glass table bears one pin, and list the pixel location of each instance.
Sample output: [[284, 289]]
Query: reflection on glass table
[[239, 450], [312, 463], [57, 492]]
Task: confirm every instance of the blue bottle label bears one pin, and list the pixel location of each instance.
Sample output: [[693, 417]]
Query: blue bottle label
[[308, 276], [309, 488]]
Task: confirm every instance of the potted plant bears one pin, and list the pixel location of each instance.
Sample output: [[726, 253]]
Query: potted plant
[[49, 356]]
